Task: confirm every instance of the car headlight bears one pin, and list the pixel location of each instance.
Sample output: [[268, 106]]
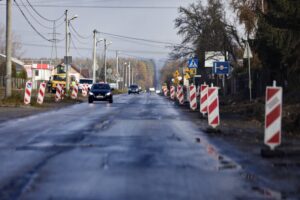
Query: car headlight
[[90, 93], [108, 94]]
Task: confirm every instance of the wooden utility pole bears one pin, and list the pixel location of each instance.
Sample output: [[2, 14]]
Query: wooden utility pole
[[8, 90]]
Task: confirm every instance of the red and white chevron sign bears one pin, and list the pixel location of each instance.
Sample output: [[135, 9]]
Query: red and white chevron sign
[[58, 92], [28, 89], [193, 99], [203, 98], [180, 96], [74, 92], [213, 107], [273, 116], [41, 94], [172, 92]]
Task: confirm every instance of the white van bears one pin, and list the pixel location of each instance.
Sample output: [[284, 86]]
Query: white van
[[85, 81]]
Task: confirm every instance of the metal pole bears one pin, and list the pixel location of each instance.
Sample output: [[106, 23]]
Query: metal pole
[[132, 75], [8, 90], [125, 80], [129, 74], [67, 53], [249, 67], [105, 49], [117, 55], [94, 57]]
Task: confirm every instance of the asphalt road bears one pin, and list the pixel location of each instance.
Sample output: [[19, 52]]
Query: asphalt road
[[139, 147]]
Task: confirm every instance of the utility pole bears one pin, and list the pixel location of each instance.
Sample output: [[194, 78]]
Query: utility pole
[[8, 49], [249, 67], [117, 66], [67, 53], [125, 78], [94, 56], [129, 74], [105, 48], [132, 75]]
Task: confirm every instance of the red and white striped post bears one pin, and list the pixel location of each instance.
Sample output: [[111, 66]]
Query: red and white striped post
[[203, 98], [84, 89], [166, 91], [193, 99], [41, 94], [58, 92], [172, 92], [74, 92], [273, 115], [28, 89], [180, 96], [213, 107]]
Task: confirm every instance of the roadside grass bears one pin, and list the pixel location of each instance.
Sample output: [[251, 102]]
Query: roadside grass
[[119, 91]]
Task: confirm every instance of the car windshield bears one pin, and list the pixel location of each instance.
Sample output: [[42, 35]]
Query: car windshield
[[82, 81], [100, 86], [133, 86]]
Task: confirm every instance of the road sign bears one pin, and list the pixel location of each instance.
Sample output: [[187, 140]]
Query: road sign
[[247, 52], [187, 76], [109, 70], [193, 63], [221, 67], [273, 116]]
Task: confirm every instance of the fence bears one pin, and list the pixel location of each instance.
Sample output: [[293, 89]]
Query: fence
[[17, 83]]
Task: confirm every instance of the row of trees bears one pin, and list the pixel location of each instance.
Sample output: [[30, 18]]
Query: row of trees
[[271, 27]]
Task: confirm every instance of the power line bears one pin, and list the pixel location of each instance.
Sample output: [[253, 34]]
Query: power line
[[102, 7], [51, 20], [28, 21], [79, 35], [140, 39]]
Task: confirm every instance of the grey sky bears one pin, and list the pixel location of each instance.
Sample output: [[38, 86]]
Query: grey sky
[[154, 24]]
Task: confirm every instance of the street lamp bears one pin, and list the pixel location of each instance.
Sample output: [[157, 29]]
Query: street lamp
[[106, 44], [67, 49]]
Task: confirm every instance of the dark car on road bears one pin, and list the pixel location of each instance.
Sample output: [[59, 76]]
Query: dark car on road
[[100, 92], [133, 89]]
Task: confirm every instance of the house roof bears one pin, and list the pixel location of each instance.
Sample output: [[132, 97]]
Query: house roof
[[83, 72]]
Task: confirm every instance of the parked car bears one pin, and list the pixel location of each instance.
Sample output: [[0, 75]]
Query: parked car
[[100, 92], [85, 81], [133, 89]]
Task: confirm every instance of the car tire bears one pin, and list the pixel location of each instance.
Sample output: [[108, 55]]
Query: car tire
[[91, 100], [110, 101]]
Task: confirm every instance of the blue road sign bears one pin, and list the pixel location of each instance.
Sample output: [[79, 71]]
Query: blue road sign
[[193, 63], [221, 67]]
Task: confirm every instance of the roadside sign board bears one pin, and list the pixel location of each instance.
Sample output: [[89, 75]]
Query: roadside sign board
[[247, 52], [273, 115], [193, 63], [221, 67]]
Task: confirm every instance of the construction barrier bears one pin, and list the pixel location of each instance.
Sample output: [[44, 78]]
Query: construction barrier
[[273, 115], [28, 89], [180, 96], [203, 98], [63, 91], [74, 92], [166, 91], [172, 92], [85, 88], [213, 107], [41, 94], [58, 92], [193, 97]]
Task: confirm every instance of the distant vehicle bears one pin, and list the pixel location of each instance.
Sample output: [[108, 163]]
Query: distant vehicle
[[133, 89], [100, 92], [157, 91], [151, 89], [85, 81], [113, 85]]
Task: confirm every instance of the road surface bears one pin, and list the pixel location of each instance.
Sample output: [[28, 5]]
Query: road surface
[[139, 147]]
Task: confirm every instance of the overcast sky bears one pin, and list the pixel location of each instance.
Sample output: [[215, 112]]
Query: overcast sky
[[154, 24]]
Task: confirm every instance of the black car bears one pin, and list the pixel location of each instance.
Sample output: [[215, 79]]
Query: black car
[[100, 92], [133, 89]]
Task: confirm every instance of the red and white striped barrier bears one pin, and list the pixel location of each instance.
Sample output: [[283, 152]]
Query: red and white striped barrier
[[74, 92], [193, 97], [180, 96], [63, 91], [41, 94], [273, 116], [58, 92], [203, 98], [172, 92], [213, 107], [166, 91], [84, 90], [28, 89]]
